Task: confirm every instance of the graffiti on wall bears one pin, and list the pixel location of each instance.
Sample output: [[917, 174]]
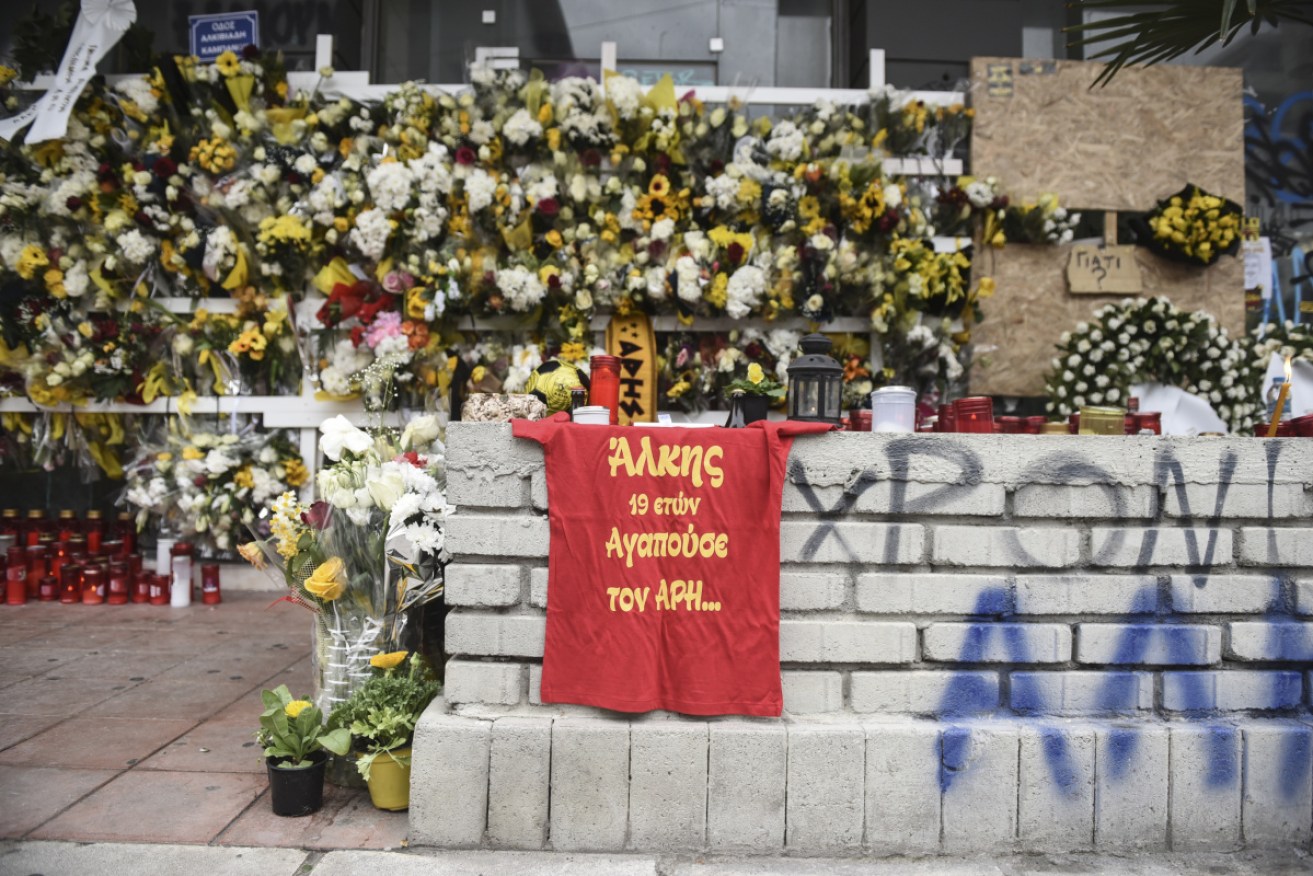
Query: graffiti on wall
[[1146, 628]]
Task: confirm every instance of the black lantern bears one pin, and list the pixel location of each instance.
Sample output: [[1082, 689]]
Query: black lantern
[[815, 383]]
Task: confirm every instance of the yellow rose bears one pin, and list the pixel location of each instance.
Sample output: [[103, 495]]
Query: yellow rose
[[296, 707], [390, 660], [328, 581]]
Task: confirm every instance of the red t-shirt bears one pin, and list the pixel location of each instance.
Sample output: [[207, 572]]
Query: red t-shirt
[[664, 572]]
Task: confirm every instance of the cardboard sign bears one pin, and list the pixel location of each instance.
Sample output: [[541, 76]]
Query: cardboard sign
[[1103, 270], [212, 35]]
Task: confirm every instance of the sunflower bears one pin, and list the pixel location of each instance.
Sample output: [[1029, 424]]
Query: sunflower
[[228, 63], [659, 186]]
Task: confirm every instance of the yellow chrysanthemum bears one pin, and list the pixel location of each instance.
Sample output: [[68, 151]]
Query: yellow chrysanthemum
[[228, 63], [296, 707], [390, 660]]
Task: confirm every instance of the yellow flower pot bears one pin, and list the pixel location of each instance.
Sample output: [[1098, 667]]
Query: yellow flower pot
[[389, 781]]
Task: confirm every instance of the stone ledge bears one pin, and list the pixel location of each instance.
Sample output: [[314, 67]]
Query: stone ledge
[[870, 786]]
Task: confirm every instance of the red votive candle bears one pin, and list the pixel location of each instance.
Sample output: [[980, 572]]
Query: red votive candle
[[974, 415], [16, 575], [93, 586], [1010, 425], [210, 584], [159, 589], [118, 591], [604, 384], [48, 589], [70, 584]]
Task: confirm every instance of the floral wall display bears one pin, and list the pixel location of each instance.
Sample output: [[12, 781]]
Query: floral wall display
[[207, 486], [544, 202]]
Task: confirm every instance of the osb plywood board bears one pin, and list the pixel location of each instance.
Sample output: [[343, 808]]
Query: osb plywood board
[[1039, 127], [1032, 308]]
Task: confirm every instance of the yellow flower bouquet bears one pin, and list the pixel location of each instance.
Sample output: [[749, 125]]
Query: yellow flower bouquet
[[1193, 226]]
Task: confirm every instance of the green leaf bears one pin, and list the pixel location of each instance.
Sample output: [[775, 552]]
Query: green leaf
[[337, 741]]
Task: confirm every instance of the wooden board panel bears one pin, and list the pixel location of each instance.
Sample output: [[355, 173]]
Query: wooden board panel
[[1032, 307], [1040, 128]]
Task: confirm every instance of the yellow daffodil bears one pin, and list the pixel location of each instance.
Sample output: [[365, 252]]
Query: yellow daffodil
[[390, 660], [328, 581]]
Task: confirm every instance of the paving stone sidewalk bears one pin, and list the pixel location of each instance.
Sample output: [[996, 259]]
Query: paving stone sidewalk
[[136, 723]]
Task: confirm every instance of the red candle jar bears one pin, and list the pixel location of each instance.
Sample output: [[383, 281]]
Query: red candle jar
[[119, 591], [1073, 424], [38, 566], [1303, 426], [48, 589], [16, 575], [1131, 424], [95, 530], [1010, 425], [1151, 420], [111, 548], [140, 583], [604, 384], [93, 586], [1034, 425], [947, 419], [58, 558], [125, 530], [68, 524], [36, 522], [9, 524], [1285, 429], [860, 420], [974, 415], [210, 584], [70, 584], [159, 589]]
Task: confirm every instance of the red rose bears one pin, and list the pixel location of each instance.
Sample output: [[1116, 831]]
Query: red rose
[[466, 155], [549, 207]]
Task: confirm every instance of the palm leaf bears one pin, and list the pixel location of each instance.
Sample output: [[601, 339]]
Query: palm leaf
[[1172, 28]]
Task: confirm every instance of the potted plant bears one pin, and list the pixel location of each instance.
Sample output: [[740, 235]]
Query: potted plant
[[751, 396], [381, 716], [295, 744]]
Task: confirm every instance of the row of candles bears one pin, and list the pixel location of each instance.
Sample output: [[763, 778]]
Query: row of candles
[[110, 575]]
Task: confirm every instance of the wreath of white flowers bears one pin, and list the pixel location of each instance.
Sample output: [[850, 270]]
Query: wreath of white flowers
[[1152, 341]]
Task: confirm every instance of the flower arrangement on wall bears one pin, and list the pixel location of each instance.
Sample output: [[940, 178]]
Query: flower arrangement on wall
[[207, 486], [1152, 341], [545, 202]]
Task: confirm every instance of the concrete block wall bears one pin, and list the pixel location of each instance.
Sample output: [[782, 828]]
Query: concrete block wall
[[1118, 630]]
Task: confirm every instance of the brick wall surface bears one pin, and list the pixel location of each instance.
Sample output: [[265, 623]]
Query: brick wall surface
[[928, 580]]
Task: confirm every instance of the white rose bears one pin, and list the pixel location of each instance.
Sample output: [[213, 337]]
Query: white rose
[[386, 488], [420, 432], [340, 435]]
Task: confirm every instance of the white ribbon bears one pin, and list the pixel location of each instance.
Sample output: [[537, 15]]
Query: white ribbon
[[99, 26]]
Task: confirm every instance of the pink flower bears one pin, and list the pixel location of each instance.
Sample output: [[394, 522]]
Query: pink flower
[[397, 282], [387, 325]]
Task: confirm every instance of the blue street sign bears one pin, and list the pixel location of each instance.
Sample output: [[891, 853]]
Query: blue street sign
[[212, 35]]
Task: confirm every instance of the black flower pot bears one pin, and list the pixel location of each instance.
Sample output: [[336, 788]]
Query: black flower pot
[[297, 791], [755, 408]]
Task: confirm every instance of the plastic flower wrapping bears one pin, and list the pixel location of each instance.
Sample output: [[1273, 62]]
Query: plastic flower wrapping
[[360, 238], [368, 552], [205, 486]]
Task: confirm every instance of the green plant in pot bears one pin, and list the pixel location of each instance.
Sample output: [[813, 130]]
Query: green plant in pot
[[296, 746], [751, 396], [381, 716]]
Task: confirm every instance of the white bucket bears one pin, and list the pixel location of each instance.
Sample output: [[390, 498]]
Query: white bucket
[[593, 415]]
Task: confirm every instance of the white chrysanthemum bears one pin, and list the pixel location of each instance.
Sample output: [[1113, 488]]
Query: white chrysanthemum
[[744, 292], [389, 185], [688, 279], [136, 247], [480, 187], [371, 233], [625, 94], [521, 127], [521, 287], [139, 92], [786, 142]]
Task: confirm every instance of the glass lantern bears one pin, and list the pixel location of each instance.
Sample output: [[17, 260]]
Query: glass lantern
[[815, 383]]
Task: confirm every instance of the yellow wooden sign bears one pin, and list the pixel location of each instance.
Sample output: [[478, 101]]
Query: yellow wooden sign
[[630, 338]]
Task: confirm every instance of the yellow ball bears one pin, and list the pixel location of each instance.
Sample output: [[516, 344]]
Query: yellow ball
[[552, 382]]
